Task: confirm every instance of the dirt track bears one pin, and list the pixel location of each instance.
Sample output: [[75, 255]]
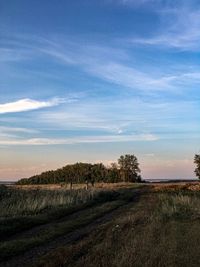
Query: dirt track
[[31, 256]]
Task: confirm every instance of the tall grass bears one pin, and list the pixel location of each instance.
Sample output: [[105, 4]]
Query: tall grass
[[31, 202], [139, 236], [181, 204]]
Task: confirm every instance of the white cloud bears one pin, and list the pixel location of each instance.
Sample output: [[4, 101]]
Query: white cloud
[[27, 104], [79, 140]]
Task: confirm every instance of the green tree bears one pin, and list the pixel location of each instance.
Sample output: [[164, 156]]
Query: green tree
[[129, 168], [113, 173], [197, 162]]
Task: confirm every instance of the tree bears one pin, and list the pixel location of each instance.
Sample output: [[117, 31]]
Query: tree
[[197, 162], [113, 173], [129, 168]]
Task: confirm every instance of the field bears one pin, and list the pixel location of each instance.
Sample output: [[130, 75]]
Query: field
[[115, 225]]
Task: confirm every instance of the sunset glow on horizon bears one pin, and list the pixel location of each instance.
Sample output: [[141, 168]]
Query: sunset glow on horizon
[[88, 81]]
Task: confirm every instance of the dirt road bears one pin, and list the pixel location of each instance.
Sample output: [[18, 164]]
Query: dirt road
[[89, 220]]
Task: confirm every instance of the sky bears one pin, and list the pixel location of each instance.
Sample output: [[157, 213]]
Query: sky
[[91, 80]]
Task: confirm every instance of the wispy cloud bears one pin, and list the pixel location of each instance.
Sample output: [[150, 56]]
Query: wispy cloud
[[137, 116], [78, 140], [180, 27], [5, 129], [104, 62], [114, 66], [101, 61], [129, 77], [102, 116], [10, 55], [28, 104]]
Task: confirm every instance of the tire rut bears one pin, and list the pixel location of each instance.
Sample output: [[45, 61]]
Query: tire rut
[[30, 257]]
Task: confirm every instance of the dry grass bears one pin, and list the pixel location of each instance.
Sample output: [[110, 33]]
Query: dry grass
[[77, 186], [161, 230], [108, 245], [192, 186], [18, 202], [49, 232], [141, 236], [182, 205]]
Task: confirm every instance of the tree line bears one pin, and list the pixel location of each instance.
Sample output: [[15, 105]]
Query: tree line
[[126, 170]]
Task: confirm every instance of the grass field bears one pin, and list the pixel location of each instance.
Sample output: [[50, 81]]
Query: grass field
[[139, 225], [32, 202]]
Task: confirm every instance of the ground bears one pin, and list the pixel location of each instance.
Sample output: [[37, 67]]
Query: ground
[[131, 225]]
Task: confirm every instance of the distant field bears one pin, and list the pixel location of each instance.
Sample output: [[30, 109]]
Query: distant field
[[194, 185], [76, 186], [113, 225]]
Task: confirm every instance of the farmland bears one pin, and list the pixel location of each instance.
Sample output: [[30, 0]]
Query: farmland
[[108, 225]]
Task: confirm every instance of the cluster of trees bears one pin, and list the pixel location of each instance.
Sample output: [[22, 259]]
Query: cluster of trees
[[126, 170]]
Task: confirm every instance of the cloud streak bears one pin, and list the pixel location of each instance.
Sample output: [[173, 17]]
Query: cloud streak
[[104, 62], [176, 31], [27, 105], [113, 65], [6, 129], [80, 140]]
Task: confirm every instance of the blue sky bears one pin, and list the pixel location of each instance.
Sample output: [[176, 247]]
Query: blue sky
[[91, 80]]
